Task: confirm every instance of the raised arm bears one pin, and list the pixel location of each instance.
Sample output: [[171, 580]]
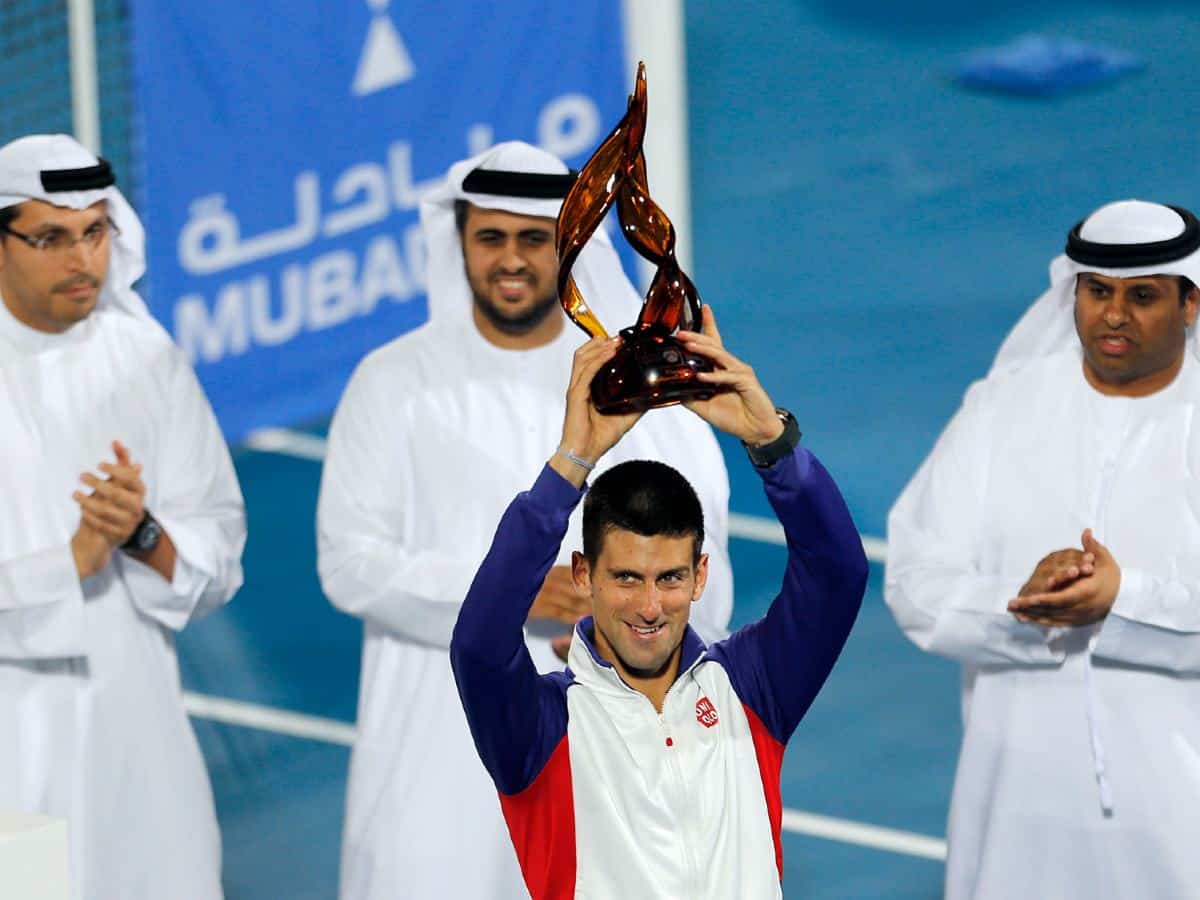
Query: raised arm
[[778, 664], [517, 717]]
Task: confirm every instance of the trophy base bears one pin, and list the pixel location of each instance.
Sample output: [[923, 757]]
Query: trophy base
[[651, 369]]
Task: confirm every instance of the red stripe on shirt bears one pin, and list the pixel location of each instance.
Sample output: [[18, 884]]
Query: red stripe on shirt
[[770, 761], [541, 822]]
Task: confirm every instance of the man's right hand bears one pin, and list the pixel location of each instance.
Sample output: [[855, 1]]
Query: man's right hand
[[1057, 570], [587, 433], [90, 550]]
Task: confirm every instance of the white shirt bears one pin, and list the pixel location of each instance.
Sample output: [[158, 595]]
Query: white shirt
[[90, 709], [436, 433], [1079, 775]]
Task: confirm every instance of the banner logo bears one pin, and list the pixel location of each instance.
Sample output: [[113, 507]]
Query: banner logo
[[284, 207], [385, 61]]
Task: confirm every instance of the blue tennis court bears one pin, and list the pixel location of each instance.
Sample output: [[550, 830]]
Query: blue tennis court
[[866, 231]]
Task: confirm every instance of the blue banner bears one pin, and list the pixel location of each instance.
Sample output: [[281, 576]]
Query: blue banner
[[285, 145]]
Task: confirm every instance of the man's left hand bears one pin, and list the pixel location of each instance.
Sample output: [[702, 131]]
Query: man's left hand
[[742, 408], [559, 600], [116, 504], [1083, 602]]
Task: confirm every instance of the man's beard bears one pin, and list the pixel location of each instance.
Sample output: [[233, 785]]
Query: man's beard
[[521, 323]]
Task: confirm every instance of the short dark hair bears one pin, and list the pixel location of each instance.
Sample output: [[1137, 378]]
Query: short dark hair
[[461, 208], [646, 497]]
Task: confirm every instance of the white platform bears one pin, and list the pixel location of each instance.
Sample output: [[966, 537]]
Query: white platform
[[33, 857]]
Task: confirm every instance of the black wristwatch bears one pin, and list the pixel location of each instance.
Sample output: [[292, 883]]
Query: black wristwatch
[[145, 537], [769, 454]]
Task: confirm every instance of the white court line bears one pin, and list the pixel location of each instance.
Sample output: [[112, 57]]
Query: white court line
[[751, 528], [873, 836], [769, 531], [287, 442], [265, 718], [332, 731]]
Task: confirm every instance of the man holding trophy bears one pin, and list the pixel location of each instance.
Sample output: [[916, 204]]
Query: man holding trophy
[[435, 433], [650, 767]]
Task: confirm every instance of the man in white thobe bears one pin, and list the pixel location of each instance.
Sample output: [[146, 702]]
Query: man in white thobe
[[435, 433], [1051, 544], [121, 521]]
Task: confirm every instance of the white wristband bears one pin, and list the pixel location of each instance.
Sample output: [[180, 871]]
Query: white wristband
[[579, 461]]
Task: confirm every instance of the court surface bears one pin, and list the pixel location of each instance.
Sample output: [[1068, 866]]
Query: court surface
[[866, 232]]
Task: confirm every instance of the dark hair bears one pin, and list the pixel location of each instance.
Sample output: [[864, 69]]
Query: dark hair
[[461, 208], [646, 497]]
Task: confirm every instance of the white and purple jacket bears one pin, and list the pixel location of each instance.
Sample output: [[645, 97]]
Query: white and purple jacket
[[606, 798]]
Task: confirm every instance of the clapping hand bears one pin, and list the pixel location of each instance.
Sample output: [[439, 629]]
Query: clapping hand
[[1070, 587], [110, 513]]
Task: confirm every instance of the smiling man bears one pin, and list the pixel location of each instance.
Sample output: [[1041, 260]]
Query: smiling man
[[435, 433], [1049, 544], [642, 568], [511, 267], [650, 768], [120, 523]]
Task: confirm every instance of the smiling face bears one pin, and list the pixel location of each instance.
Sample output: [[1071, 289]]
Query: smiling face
[[512, 269], [642, 589], [1133, 330], [51, 290]]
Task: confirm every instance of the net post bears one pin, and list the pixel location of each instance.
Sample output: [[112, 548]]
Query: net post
[[654, 32], [85, 101]]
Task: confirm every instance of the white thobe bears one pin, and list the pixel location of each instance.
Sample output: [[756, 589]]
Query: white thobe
[[1079, 775], [435, 435], [92, 723]]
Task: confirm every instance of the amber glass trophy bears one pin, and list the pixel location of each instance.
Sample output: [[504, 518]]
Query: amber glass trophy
[[651, 368]]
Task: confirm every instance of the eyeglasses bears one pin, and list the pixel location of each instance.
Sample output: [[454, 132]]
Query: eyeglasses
[[59, 241], [616, 174]]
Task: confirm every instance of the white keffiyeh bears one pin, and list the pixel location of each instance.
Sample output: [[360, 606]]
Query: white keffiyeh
[[1049, 324], [22, 163], [597, 271]]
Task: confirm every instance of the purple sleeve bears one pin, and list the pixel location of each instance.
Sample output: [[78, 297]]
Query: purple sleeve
[[778, 664], [517, 717]]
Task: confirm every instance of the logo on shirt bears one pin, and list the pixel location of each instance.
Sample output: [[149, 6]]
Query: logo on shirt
[[706, 713]]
